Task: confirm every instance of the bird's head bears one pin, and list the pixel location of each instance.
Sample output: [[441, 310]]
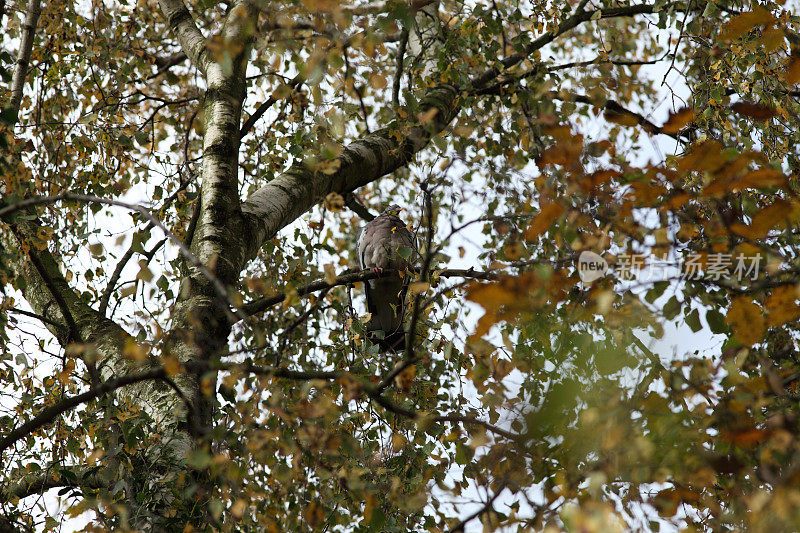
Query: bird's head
[[393, 210]]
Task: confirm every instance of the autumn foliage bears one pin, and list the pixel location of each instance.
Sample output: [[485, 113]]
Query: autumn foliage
[[184, 340]]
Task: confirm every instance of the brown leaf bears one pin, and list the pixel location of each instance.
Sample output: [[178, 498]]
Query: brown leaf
[[678, 120], [763, 177], [314, 514], [755, 111]]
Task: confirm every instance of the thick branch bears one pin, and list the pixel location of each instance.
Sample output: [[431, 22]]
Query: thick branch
[[24, 55], [192, 41], [292, 193], [50, 478], [150, 217]]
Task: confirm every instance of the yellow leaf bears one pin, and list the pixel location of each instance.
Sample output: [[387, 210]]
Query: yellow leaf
[[377, 81], [404, 379], [133, 351], [330, 274], [330, 166], [334, 201], [418, 287], [746, 320]]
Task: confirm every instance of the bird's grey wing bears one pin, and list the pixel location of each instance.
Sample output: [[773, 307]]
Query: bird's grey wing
[[360, 246]]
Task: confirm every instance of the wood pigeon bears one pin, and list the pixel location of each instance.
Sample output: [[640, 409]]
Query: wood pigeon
[[382, 244]]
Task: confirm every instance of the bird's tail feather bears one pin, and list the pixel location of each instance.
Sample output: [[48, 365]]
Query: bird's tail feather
[[385, 301]]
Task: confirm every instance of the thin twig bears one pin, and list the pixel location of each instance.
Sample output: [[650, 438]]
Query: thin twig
[[398, 73]]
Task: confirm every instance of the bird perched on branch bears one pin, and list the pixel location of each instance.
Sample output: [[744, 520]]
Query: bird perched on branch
[[385, 243]]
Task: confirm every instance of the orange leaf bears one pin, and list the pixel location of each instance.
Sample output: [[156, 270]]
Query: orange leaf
[[597, 178], [744, 22], [744, 438], [746, 320], [782, 306], [543, 220], [763, 177], [769, 218], [705, 155], [792, 74], [678, 120], [772, 217]]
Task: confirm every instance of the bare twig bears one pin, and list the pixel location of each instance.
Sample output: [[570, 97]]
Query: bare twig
[[252, 119], [488, 507]]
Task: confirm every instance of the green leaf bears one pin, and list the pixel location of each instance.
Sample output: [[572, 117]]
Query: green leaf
[[671, 308], [716, 321], [693, 321]]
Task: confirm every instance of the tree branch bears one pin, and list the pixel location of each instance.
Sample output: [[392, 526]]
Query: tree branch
[[348, 278], [24, 55], [84, 198], [49, 414], [488, 507], [252, 119], [292, 193], [357, 207], [50, 478], [189, 36]]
